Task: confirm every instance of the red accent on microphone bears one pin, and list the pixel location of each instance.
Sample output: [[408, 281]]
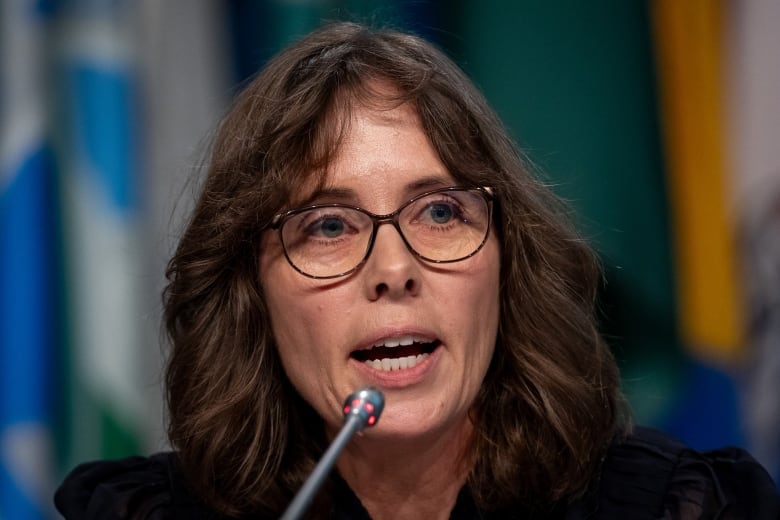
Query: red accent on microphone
[[366, 404]]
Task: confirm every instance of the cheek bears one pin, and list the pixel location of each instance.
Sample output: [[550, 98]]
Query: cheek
[[486, 300], [302, 359], [306, 321], [284, 304], [487, 272], [294, 325]]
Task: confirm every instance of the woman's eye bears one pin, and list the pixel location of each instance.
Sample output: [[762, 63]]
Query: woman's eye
[[441, 213], [329, 227]]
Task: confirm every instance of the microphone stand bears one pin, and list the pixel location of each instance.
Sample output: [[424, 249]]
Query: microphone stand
[[361, 409]]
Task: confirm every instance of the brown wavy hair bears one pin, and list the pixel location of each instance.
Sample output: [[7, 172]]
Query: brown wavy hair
[[550, 403]]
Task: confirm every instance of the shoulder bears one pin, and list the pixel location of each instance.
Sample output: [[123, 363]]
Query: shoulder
[[131, 488], [651, 475]]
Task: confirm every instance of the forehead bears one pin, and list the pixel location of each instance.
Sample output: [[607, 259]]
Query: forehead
[[375, 142]]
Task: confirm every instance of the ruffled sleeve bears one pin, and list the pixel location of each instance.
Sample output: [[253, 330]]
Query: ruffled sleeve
[[135, 487], [650, 475]]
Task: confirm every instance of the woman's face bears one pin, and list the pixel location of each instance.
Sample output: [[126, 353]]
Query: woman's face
[[325, 329]]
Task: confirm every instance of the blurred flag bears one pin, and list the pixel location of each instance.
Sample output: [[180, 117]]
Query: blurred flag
[[27, 269], [98, 149], [689, 41], [719, 76], [691, 59], [753, 81]]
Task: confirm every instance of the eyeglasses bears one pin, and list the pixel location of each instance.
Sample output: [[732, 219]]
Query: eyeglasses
[[332, 240]]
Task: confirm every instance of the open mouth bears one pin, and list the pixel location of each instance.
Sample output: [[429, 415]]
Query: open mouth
[[396, 354]]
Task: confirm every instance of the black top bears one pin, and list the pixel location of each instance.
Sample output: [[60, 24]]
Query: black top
[[647, 476]]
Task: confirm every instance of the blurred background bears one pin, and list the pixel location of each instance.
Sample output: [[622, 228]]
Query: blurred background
[[658, 120]]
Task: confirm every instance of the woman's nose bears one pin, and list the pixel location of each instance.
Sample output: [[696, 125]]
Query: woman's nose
[[391, 270]]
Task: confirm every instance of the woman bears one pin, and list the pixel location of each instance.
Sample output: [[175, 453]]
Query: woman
[[366, 221]]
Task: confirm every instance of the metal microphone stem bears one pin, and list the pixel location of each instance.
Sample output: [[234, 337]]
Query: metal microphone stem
[[301, 501]]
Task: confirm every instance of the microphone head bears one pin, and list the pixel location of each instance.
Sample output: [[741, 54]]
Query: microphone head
[[366, 404]]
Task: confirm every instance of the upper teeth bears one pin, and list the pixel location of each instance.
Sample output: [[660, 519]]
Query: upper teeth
[[394, 342]]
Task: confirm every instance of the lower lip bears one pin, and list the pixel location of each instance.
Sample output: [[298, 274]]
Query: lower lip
[[399, 378]]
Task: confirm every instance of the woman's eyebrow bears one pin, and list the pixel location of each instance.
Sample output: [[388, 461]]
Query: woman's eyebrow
[[331, 195], [427, 183]]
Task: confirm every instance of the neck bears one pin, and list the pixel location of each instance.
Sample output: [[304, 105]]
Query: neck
[[417, 478]]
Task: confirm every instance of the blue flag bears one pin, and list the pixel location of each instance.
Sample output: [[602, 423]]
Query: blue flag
[[28, 281]]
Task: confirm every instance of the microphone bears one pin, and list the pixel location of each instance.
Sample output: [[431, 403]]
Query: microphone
[[361, 409]]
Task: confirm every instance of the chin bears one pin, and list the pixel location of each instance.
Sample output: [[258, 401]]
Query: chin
[[421, 426]]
